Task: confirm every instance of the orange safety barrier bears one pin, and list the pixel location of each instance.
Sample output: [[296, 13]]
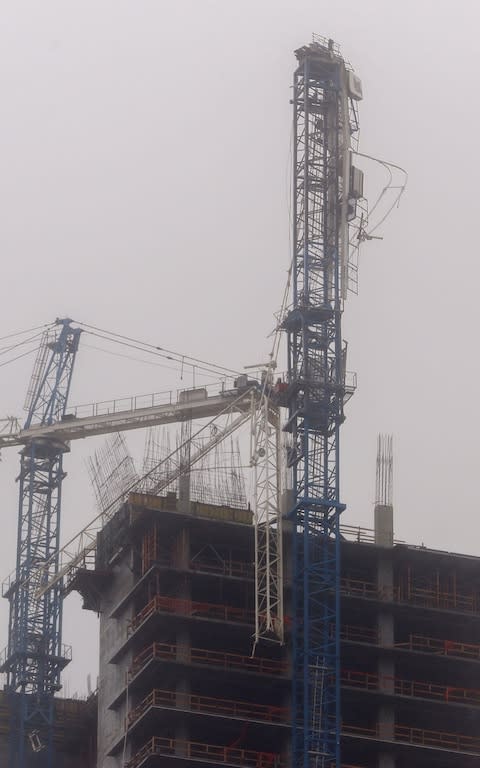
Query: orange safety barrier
[[431, 598], [414, 643], [439, 739], [209, 705], [160, 604], [206, 752], [426, 738], [441, 647], [219, 659], [413, 688], [427, 598]]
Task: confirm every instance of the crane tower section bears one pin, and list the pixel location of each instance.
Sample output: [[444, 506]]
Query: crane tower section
[[326, 188], [35, 656]]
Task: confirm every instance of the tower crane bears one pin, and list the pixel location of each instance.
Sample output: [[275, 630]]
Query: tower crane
[[35, 656], [326, 189], [329, 222]]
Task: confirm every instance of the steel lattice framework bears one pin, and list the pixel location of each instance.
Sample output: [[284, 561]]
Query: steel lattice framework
[[35, 656], [265, 459], [317, 393]]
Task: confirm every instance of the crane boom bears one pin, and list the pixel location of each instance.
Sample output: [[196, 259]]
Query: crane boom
[[192, 404]]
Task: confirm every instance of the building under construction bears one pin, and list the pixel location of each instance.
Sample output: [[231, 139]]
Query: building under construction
[[180, 678], [270, 637]]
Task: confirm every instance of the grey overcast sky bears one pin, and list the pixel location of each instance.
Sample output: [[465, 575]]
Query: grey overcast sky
[[144, 154]]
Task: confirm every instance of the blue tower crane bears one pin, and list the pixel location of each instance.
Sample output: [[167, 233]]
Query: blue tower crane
[[326, 188], [35, 656]]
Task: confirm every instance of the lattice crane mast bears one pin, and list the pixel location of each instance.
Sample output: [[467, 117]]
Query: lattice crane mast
[[326, 188], [35, 656]]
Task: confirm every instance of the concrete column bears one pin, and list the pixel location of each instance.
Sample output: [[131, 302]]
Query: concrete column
[[386, 761], [181, 549], [385, 628], [184, 644], [383, 514]]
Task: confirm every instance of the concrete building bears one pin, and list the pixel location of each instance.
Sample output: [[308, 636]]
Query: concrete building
[[181, 682]]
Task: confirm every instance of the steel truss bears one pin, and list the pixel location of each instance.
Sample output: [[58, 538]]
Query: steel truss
[[265, 448], [35, 656], [316, 395]]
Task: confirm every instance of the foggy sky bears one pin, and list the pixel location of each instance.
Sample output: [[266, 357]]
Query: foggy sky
[[144, 186]]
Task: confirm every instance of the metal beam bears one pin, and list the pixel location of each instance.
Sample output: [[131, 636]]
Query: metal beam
[[187, 407]]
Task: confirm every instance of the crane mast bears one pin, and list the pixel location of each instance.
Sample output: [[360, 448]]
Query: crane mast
[[323, 204], [35, 656]]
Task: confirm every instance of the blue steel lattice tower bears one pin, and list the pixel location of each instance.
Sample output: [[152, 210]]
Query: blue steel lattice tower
[[35, 655], [325, 193]]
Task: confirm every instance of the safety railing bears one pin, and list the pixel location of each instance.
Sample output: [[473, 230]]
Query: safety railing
[[412, 688], [193, 750], [209, 706], [455, 741], [407, 735], [235, 568], [361, 588], [441, 647], [431, 598], [226, 567], [150, 400], [355, 634], [160, 604], [361, 534], [426, 598], [433, 645], [208, 658]]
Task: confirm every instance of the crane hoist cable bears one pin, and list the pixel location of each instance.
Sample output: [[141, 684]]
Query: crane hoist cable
[[27, 330], [139, 360], [157, 350], [18, 357], [5, 350]]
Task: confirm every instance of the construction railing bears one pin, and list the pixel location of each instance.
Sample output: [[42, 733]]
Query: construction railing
[[210, 706], [441, 647], [154, 554], [434, 645], [210, 753], [224, 567], [413, 688], [359, 634], [427, 598], [160, 604], [426, 738], [208, 658]]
